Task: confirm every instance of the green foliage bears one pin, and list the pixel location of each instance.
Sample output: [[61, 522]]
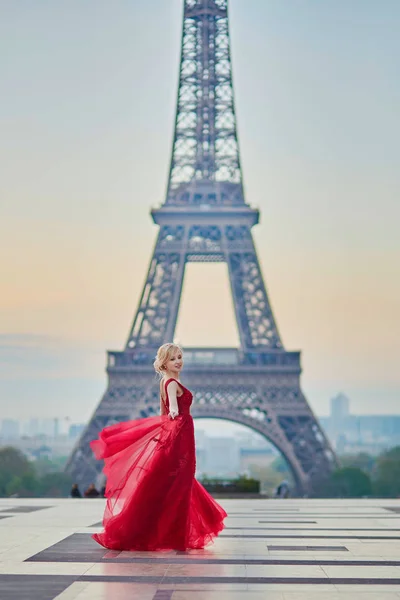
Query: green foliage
[[269, 477], [25, 479], [279, 465], [44, 478], [13, 464], [272, 474], [54, 485], [387, 474], [392, 454], [241, 484], [44, 465], [346, 482], [24, 486], [362, 460], [352, 482]]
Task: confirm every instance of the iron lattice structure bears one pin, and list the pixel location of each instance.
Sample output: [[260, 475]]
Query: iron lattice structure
[[205, 219]]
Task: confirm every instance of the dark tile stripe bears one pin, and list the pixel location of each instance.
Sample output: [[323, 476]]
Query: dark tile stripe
[[290, 522], [277, 520], [299, 580], [319, 537], [383, 517], [24, 509], [77, 547], [276, 509], [313, 515], [80, 547], [261, 580], [309, 548], [33, 587], [47, 587], [163, 595], [175, 560], [255, 528]]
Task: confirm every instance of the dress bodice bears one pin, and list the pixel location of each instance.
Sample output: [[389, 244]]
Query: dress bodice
[[184, 401]]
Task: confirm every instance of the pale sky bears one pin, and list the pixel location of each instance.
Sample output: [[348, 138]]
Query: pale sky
[[87, 103]]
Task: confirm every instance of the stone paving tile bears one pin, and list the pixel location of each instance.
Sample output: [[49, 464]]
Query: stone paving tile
[[267, 588], [288, 555], [206, 571], [226, 595], [378, 572], [203, 587], [369, 588], [72, 592], [109, 591], [336, 595], [33, 569], [127, 570], [308, 548], [285, 571], [23, 509], [20, 587]]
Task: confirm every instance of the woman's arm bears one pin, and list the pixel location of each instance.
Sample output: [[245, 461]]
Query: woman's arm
[[173, 402]]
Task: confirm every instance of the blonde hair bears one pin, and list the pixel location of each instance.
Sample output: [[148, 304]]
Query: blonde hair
[[164, 353]]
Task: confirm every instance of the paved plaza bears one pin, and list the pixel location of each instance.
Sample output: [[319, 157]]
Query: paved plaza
[[273, 549]]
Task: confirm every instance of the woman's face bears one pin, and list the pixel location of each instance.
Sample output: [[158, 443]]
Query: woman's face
[[175, 361]]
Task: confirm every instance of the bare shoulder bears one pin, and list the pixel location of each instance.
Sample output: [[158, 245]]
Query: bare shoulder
[[173, 386]]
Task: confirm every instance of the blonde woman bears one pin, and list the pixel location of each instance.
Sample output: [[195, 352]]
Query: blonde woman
[[154, 501]]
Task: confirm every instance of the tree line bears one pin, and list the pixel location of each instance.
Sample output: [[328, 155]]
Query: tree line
[[26, 479], [362, 475], [359, 475]]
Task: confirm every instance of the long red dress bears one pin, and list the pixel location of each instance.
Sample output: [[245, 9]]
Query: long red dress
[[154, 501]]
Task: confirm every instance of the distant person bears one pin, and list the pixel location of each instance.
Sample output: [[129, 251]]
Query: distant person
[[154, 501], [91, 492], [75, 491], [103, 491], [283, 490]]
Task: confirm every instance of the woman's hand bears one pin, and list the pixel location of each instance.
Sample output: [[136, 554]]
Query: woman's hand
[[173, 413]]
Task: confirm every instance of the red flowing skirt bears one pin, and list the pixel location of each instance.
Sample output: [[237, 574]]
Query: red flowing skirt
[[154, 501]]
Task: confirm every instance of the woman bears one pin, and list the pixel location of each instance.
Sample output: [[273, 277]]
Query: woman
[[154, 501]]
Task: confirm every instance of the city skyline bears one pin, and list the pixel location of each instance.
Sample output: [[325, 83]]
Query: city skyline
[[85, 156]]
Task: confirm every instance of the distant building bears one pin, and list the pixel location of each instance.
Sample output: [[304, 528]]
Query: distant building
[[227, 457], [223, 457], [75, 430], [260, 457], [40, 445], [340, 408], [358, 433], [32, 428], [9, 429]]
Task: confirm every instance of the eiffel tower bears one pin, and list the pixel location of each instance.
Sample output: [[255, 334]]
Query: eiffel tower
[[205, 219]]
